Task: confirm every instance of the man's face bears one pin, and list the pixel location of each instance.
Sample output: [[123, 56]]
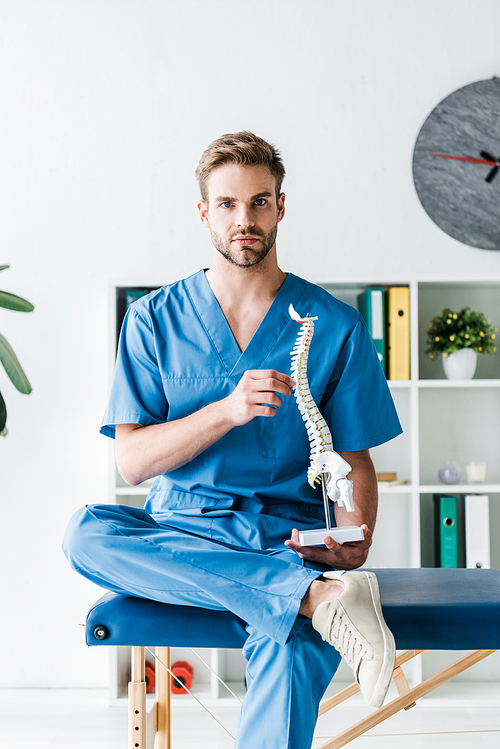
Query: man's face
[[242, 213]]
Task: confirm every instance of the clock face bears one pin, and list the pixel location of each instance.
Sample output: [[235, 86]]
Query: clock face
[[456, 164]]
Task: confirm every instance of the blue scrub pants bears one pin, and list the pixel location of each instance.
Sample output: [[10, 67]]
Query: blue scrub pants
[[224, 560]]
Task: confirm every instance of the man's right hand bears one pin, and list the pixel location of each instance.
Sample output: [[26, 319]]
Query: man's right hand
[[257, 394]]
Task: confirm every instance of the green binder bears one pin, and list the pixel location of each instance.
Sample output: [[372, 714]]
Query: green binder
[[372, 308], [446, 530]]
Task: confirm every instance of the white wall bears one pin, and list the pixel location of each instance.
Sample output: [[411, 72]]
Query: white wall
[[105, 107]]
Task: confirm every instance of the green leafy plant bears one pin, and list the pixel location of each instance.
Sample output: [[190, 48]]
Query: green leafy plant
[[7, 356], [452, 331]]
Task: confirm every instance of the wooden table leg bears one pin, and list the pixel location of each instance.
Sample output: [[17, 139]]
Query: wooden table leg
[[163, 695], [137, 718]]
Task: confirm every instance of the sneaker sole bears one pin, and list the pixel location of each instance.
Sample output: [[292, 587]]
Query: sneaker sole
[[385, 676]]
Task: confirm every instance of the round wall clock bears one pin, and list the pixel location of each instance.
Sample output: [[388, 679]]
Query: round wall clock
[[456, 164]]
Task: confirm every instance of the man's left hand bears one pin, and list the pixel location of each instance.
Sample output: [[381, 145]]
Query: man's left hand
[[347, 556]]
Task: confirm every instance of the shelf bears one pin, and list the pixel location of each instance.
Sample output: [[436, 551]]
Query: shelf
[[397, 384], [207, 697], [487, 383], [443, 383], [401, 489], [459, 489]]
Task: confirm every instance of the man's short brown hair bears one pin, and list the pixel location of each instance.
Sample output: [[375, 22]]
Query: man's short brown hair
[[242, 149]]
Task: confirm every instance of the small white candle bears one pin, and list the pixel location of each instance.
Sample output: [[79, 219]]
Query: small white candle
[[476, 472]]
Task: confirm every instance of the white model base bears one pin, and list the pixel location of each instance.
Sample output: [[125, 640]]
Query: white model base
[[343, 534]]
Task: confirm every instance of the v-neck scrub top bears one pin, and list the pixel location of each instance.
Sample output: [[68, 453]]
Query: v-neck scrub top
[[177, 354]]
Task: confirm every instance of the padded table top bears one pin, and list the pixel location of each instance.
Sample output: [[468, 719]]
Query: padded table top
[[426, 609]]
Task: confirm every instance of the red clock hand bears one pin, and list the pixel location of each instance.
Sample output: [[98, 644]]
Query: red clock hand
[[462, 158]]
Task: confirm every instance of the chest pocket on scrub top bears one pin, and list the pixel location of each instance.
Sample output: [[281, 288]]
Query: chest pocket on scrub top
[[284, 435]]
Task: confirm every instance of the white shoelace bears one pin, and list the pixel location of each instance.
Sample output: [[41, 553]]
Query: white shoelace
[[347, 642]]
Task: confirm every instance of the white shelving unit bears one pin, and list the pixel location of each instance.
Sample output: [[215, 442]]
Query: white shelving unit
[[442, 420]]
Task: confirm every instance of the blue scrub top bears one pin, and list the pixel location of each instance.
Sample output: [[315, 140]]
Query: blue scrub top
[[177, 354]]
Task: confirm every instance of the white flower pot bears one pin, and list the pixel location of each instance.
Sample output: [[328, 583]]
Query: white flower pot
[[461, 365]]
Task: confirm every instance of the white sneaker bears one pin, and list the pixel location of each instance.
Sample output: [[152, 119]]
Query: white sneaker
[[355, 626]]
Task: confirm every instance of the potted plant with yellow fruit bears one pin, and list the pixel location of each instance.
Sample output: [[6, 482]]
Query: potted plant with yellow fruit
[[457, 338]]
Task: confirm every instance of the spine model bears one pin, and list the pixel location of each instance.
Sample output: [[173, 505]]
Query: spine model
[[325, 464]]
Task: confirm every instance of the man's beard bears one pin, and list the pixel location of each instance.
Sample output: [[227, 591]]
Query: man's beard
[[245, 257]]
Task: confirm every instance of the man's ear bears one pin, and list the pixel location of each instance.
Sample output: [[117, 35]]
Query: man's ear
[[281, 205], [203, 211]]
